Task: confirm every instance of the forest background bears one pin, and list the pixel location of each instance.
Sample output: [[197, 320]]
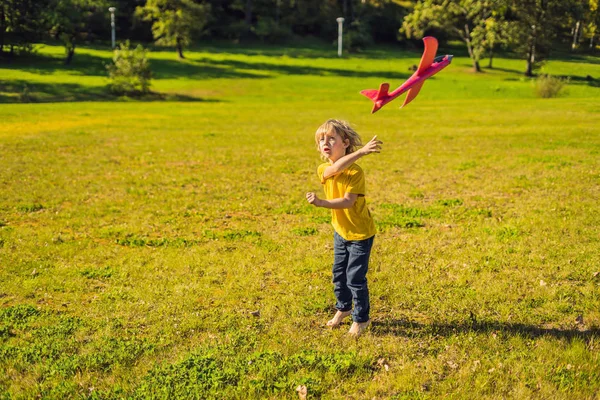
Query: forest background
[[530, 28]]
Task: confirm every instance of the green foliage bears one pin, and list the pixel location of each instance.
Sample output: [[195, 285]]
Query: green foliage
[[474, 22], [305, 231], [21, 25], [174, 22], [534, 28], [270, 31], [30, 207], [18, 315], [214, 375], [357, 37], [130, 72], [548, 86], [97, 273], [70, 20]]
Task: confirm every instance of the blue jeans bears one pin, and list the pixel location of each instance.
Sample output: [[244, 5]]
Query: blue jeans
[[350, 265]]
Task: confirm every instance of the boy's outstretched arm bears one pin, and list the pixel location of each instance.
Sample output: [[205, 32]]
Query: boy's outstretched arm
[[374, 146], [343, 202]]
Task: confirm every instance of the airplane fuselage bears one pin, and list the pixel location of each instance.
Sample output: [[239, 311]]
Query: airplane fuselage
[[415, 79]]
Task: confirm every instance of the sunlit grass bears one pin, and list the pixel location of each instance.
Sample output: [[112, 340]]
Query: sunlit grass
[[166, 247]]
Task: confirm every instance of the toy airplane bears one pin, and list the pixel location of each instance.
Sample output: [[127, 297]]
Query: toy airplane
[[429, 66]]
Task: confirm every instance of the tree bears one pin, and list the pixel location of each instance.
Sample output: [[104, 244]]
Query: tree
[[21, 24], [465, 19], [70, 21], [592, 22], [174, 22], [535, 26], [493, 33]]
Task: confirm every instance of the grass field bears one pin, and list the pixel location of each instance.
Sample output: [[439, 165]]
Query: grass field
[[164, 249]]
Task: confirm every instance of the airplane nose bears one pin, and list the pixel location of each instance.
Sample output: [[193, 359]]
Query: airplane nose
[[450, 56]]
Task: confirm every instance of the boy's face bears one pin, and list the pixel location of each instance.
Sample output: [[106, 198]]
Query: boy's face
[[333, 146]]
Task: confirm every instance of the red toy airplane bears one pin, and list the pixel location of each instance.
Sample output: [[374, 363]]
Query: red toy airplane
[[429, 66]]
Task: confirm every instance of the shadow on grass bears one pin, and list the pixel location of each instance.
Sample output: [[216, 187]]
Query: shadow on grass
[[309, 49], [574, 79], [201, 68], [402, 327], [298, 69], [82, 64], [22, 91]]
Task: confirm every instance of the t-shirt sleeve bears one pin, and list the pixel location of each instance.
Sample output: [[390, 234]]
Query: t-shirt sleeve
[[356, 181], [321, 172]]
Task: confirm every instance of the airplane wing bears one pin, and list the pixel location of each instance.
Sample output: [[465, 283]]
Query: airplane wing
[[412, 93], [431, 45]]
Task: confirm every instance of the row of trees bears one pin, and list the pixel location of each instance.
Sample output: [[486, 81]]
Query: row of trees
[[529, 27]]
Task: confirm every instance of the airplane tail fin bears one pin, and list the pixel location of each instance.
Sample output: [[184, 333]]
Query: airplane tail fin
[[377, 96]]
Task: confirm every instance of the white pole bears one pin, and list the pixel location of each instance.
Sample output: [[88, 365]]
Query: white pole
[[112, 24], [340, 22]]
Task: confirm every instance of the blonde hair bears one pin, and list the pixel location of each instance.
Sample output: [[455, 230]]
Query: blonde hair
[[343, 129]]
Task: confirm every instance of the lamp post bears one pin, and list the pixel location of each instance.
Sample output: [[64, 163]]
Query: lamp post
[[112, 24], [340, 22]]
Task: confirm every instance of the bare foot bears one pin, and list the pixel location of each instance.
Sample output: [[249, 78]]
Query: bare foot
[[337, 318], [358, 328]]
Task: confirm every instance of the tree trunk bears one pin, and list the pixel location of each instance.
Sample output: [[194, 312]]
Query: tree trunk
[[530, 60], [592, 42], [467, 38], [70, 54], [575, 35], [180, 48], [491, 57], [531, 51]]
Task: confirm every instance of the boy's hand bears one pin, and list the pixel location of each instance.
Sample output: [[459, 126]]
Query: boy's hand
[[374, 146], [313, 199]]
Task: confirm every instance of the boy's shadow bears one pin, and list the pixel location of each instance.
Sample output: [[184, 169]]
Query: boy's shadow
[[407, 328]]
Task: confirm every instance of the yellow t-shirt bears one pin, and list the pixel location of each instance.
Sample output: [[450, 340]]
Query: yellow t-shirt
[[353, 223]]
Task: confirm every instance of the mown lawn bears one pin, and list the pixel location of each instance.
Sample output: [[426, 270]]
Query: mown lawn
[[165, 249]]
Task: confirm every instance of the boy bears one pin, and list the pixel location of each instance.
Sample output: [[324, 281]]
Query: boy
[[354, 229]]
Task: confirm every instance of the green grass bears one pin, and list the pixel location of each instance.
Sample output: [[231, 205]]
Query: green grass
[[165, 248]]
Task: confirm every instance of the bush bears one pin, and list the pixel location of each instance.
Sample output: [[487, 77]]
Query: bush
[[130, 72], [548, 86], [357, 38]]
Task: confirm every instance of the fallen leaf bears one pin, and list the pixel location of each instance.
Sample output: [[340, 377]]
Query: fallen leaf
[[302, 392], [255, 313], [542, 283], [579, 319]]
